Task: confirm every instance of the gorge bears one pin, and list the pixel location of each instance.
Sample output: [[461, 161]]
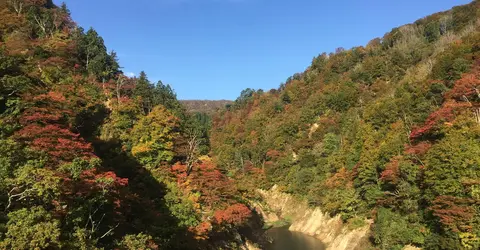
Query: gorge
[[372, 147]]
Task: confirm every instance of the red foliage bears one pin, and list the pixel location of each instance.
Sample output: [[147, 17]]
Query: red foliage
[[418, 149], [454, 213], [92, 181], [467, 86], [215, 188], [54, 62], [105, 180], [465, 89], [392, 171], [236, 214], [46, 129], [445, 114], [273, 154]]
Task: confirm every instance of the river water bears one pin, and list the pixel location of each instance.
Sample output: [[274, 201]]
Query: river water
[[283, 239]]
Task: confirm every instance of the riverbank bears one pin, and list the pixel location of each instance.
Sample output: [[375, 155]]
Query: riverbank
[[276, 207]]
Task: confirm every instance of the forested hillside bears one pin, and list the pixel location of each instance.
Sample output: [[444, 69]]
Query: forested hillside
[[92, 159], [205, 106], [389, 131]]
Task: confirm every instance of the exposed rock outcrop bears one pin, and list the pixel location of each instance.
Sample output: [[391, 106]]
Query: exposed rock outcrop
[[249, 246], [310, 221], [409, 247]]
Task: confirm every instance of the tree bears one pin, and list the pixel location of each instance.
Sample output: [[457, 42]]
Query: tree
[[112, 68], [145, 91], [236, 214], [152, 137], [450, 161], [454, 213], [392, 231], [165, 96], [93, 53], [33, 228], [192, 148], [138, 242], [46, 128], [45, 17]]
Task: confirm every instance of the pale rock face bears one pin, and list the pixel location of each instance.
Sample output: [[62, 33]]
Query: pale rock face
[[313, 128], [249, 246], [408, 247], [310, 221]]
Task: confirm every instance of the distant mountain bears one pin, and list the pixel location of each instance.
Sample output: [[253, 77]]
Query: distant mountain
[[206, 106]]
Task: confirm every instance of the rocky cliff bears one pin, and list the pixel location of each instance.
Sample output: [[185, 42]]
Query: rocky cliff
[[332, 231]]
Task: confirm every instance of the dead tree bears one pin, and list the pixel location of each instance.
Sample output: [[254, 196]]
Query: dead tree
[[193, 142]]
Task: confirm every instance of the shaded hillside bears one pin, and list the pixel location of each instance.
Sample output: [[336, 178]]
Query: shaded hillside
[[205, 106], [388, 131]]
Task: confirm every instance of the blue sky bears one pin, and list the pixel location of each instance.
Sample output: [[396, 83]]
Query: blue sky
[[212, 49]]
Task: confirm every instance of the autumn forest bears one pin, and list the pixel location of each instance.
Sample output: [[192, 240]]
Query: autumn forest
[[90, 158]]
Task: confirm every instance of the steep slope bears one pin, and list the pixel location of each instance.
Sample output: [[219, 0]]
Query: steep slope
[[388, 131]]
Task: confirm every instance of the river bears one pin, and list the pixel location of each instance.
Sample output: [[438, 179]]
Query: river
[[283, 239]]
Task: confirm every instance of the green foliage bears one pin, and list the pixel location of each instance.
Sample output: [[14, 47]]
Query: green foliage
[[165, 96], [432, 31], [452, 161], [392, 231], [356, 222], [78, 166], [9, 159], [200, 125], [121, 120], [137, 242], [388, 131], [344, 201], [93, 52], [455, 60], [385, 131], [181, 207], [152, 137], [32, 228], [144, 90]]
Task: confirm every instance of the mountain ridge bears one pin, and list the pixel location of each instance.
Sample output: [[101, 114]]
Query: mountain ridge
[[205, 106], [383, 132]]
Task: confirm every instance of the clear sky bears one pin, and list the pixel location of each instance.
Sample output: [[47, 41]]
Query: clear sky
[[212, 49]]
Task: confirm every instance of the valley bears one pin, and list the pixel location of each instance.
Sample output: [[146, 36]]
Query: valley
[[372, 147]]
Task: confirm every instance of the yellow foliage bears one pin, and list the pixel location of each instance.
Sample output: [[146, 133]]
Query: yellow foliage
[[469, 240]]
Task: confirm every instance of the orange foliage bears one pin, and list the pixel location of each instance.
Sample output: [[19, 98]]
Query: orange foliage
[[343, 178], [202, 230], [17, 43], [215, 188], [392, 171], [236, 214], [46, 128], [467, 86], [445, 114], [418, 149], [273, 154], [455, 213]]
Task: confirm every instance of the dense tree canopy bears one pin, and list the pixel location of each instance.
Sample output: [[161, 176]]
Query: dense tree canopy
[[93, 159], [87, 154], [388, 132]]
